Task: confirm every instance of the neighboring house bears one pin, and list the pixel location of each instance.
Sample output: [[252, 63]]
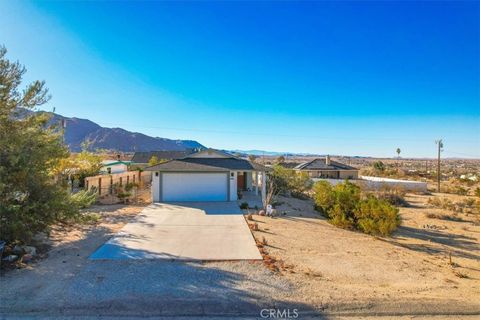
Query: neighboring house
[[208, 175], [141, 159], [326, 168], [114, 166]]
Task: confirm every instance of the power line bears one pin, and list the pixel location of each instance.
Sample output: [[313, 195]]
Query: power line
[[463, 154]]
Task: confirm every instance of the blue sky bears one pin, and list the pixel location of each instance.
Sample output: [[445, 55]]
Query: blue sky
[[345, 78]]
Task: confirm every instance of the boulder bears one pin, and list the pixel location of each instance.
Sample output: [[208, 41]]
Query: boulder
[[10, 258], [27, 258], [30, 250], [261, 212], [17, 250]]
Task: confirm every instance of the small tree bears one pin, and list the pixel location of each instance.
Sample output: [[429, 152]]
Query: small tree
[[79, 166], [281, 178], [30, 151], [271, 191], [379, 166], [398, 152], [280, 159], [153, 161], [252, 157]]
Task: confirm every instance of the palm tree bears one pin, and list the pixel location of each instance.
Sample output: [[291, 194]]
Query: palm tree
[[398, 152]]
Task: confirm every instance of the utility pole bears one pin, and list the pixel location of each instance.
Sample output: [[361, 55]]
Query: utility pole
[[440, 148], [63, 126]]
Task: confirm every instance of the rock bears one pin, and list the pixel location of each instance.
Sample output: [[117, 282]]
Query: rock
[[261, 212], [17, 250], [40, 237], [10, 258], [27, 257], [30, 250]]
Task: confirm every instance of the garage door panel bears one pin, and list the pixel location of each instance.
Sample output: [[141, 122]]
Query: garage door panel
[[194, 187]]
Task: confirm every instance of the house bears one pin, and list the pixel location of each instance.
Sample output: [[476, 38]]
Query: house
[[326, 168], [114, 166], [141, 159], [207, 175]]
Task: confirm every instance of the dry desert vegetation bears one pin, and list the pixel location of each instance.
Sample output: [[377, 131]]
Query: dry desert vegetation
[[432, 259]]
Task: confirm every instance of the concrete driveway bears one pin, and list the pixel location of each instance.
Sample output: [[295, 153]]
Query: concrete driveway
[[183, 231]]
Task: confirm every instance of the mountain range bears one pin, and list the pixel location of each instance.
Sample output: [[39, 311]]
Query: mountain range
[[78, 131]]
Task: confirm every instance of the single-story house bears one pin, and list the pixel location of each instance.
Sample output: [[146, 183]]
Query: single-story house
[[141, 159], [326, 168], [207, 175], [114, 166]]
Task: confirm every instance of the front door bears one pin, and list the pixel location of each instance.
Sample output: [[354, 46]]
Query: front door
[[241, 181]]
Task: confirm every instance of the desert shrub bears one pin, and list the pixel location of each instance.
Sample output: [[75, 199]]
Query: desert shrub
[[469, 202], [461, 191], [299, 195], [477, 192], [131, 186], [347, 196], [376, 217], [84, 198], [435, 202], [324, 197], [344, 207], [379, 166], [337, 203], [244, 205], [89, 218]]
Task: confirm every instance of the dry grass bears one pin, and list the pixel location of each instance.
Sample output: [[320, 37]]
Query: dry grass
[[430, 255]]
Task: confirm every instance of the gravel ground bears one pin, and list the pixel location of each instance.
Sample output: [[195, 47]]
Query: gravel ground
[[154, 287]]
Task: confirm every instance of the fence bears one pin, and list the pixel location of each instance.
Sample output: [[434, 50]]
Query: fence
[[130, 186]]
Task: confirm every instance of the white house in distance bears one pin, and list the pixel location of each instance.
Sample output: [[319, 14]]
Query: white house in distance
[[114, 166], [208, 175]]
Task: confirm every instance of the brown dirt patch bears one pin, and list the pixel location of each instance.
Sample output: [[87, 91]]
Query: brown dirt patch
[[333, 266]]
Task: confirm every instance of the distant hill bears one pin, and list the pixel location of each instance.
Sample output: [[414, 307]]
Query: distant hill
[[79, 130]]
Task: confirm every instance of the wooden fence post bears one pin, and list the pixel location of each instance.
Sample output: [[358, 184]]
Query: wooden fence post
[[99, 186]]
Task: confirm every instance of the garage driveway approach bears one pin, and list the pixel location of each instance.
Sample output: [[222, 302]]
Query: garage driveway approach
[[183, 231]]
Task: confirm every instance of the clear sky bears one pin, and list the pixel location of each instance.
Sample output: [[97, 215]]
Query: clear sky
[[351, 78]]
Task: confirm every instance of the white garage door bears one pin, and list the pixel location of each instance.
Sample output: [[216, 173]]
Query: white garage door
[[194, 187]]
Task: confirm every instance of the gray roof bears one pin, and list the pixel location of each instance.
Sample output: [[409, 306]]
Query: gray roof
[[144, 157], [320, 164], [208, 164]]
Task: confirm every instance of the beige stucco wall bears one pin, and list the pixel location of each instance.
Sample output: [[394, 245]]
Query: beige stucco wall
[[349, 174]]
